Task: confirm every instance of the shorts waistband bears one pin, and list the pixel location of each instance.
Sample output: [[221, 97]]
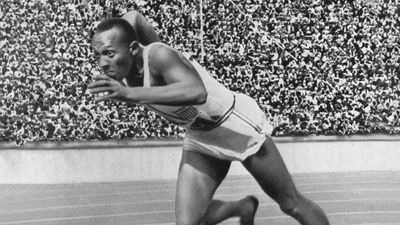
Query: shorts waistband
[[206, 125]]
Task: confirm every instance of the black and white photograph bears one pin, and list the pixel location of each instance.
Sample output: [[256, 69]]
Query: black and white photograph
[[199, 112]]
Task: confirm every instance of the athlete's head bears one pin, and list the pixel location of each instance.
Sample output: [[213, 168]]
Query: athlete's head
[[112, 45]]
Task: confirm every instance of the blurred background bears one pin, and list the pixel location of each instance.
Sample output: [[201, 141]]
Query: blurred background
[[315, 67]]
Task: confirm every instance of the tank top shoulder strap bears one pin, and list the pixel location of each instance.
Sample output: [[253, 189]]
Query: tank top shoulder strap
[[146, 70]]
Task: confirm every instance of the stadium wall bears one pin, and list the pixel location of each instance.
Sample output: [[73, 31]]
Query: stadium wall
[[119, 161]]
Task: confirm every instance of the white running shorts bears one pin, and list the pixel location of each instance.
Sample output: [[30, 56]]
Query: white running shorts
[[240, 136]]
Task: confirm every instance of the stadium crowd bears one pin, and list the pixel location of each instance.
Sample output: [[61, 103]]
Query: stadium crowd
[[315, 67]]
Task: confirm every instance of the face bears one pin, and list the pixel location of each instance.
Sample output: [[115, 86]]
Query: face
[[113, 55]]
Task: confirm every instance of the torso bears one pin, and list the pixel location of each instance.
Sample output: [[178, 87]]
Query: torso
[[219, 102]]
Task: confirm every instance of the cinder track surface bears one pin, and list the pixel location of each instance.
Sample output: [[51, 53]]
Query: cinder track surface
[[367, 198]]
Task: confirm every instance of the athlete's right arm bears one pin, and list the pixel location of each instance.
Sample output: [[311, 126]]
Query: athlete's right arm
[[179, 84], [144, 31]]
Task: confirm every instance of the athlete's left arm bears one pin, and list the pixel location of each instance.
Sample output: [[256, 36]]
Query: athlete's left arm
[[145, 32], [182, 84]]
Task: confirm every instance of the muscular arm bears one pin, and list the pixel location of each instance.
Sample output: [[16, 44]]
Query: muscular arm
[[182, 84], [177, 82], [145, 32]]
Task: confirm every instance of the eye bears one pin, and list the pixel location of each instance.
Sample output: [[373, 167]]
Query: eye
[[110, 54]]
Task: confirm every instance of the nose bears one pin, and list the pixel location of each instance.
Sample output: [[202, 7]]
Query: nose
[[103, 63]]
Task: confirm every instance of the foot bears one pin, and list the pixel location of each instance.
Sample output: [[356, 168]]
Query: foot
[[248, 210]]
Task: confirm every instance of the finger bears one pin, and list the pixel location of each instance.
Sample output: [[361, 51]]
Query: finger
[[98, 84], [100, 89], [101, 77], [106, 97], [95, 74]]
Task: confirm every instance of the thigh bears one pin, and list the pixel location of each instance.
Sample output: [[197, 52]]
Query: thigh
[[268, 168], [198, 178]]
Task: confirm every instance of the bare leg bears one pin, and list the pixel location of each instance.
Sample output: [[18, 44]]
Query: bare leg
[[268, 168], [245, 208], [199, 177]]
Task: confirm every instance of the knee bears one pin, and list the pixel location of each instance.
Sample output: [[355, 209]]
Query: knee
[[291, 206]]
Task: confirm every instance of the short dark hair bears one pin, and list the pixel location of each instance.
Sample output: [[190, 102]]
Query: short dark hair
[[125, 26]]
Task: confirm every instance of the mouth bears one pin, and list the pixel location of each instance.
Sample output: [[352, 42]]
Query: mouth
[[110, 74]]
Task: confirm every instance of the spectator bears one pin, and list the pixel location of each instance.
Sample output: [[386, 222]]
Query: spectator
[[316, 68]]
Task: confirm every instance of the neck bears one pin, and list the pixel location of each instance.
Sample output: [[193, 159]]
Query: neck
[[136, 74]]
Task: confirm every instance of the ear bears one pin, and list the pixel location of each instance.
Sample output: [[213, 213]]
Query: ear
[[134, 47]]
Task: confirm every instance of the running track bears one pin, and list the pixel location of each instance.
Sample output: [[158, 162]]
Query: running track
[[368, 198]]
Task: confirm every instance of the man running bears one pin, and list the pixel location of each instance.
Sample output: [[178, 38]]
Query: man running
[[221, 126]]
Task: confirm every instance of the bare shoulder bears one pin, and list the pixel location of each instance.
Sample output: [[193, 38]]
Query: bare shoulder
[[161, 54], [167, 63]]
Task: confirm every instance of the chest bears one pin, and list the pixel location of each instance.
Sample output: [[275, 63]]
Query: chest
[[139, 78]]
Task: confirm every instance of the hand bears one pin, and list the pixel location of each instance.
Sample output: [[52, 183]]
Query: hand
[[113, 89]]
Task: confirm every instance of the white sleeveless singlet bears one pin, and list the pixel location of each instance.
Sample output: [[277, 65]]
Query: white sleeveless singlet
[[227, 126], [218, 106]]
